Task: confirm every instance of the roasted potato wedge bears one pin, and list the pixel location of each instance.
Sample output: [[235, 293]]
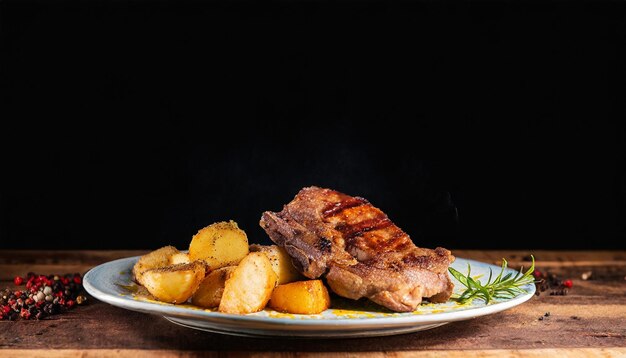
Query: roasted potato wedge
[[250, 285], [209, 294], [155, 259], [179, 258], [302, 297], [176, 283], [281, 262], [219, 245]]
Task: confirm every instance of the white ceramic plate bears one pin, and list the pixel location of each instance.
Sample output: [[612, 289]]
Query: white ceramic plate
[[111, 282]]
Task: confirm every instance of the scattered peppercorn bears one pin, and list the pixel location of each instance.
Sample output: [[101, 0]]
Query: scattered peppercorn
[[545, 316], [561, 292], [43, 296], [550, 281], [24, 313]]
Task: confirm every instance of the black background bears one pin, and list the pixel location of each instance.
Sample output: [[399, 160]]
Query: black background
[[132, 124]]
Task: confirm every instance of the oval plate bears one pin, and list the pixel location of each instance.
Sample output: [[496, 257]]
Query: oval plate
[[112, 282]]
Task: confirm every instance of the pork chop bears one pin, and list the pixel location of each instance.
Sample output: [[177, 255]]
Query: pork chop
[[361, 252]]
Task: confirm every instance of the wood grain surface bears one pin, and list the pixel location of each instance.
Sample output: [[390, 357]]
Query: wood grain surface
[[589, 321]]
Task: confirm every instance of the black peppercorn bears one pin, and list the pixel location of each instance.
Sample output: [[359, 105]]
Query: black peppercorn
[[57, 286]]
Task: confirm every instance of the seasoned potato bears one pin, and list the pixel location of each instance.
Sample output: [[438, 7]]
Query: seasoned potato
[[179, 258], [250, 285], [302, 297], [209, 294], [281, 263], [152, 260], [219, 245], [176, 283]]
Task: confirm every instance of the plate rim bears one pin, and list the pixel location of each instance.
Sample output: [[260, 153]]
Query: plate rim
[[361, 323], [321, 332]]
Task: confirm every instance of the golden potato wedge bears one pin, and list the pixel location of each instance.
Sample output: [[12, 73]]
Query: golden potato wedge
[[209, 294], [176, 283], [302, 297], [219, 245], [250, 285], [281, 263], [152, 260], [179, 258]]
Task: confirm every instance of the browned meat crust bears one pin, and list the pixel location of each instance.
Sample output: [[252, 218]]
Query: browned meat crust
[[362, 253]]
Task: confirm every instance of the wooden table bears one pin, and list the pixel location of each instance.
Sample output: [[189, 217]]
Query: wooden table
[[589, 321]]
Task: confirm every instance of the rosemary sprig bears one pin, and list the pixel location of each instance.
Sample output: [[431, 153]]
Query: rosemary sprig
[[508, 286]]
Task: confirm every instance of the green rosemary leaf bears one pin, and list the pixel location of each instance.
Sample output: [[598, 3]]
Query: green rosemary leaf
[[501, 287], [472, 284], [459, 276]]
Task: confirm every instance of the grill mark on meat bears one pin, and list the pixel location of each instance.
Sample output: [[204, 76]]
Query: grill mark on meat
[[402, 242], [358, 229], [336, 208]]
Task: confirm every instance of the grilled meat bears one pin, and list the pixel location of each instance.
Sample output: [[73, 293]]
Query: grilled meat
[[362, 253]]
